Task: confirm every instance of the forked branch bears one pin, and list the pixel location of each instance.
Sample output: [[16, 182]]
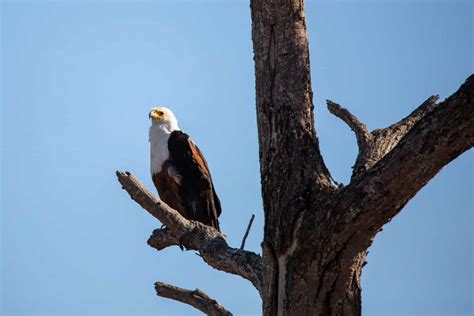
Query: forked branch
[[210, 243], [196, 298], [441, 133], [375, 145]]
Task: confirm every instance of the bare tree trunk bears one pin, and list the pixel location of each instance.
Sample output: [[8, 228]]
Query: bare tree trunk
[[316, 234]]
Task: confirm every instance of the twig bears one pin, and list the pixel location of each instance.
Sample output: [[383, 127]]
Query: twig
[[247, 232], [196, 298]]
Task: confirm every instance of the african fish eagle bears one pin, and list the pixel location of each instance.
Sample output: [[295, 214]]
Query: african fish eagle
[[179, 170]]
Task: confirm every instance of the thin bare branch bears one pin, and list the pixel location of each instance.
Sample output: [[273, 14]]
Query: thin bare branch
[[210, 243], [360, 129], [196, 298], [419, 113], [247, 232], [385, 139]]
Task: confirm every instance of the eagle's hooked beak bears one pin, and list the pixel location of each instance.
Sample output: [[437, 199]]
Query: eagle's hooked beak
[[156, 114], [152, 115]]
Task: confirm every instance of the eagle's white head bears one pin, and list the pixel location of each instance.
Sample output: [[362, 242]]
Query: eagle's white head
[[163, 118], [163, 123]]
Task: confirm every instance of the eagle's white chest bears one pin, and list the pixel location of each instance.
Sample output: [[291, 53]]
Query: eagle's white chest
[[159, 151]]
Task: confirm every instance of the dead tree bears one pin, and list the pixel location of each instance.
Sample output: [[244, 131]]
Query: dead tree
[[316, 234]]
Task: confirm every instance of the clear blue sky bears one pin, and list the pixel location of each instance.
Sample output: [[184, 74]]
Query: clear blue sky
[[78, 79]]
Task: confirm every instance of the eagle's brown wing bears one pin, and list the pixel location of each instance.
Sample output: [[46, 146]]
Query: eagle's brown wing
[[196, 190]]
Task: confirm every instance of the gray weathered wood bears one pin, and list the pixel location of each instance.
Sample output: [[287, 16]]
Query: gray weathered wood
[[210, 243], [316, 235], [196, 298]]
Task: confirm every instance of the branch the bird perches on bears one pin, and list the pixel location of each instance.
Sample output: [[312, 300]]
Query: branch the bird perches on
[[210, 243]]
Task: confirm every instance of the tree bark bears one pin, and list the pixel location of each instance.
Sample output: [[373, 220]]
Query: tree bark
[[316, 236], [292, 169]]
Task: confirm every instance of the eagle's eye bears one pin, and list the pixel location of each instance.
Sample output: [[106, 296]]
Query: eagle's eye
[[160, 113]]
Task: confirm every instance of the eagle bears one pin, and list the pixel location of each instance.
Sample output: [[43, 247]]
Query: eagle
[[179, 170]]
